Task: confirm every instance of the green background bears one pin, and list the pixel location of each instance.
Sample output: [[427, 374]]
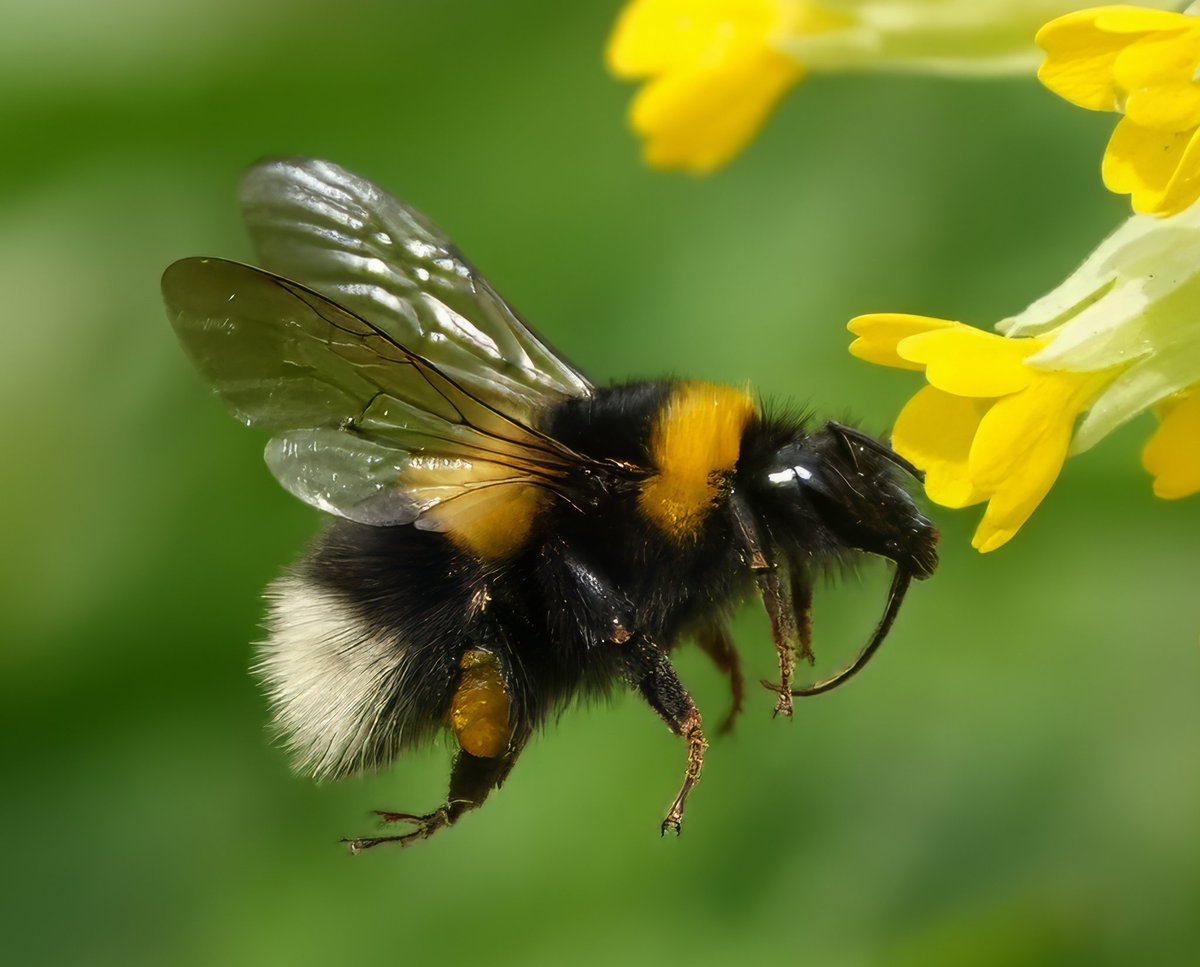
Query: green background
[[1014, 781]]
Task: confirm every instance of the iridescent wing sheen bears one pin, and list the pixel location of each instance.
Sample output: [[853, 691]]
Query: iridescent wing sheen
[[317, 223], [364, 427]]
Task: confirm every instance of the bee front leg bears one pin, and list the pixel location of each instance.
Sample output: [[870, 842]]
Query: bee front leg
[[650, 670], [777, 600]]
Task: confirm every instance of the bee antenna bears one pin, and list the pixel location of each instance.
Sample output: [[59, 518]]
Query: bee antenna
[[849, 433], [900, 583]]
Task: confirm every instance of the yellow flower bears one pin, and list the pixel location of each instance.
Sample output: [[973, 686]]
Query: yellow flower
[[988, 427], [714, 69], [1001, 413], [1142, 64], [715, 74]]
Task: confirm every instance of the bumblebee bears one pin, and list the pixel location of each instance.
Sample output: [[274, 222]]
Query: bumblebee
[[506, 536]]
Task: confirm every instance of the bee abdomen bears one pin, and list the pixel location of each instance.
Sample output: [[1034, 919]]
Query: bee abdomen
[[337, 686]]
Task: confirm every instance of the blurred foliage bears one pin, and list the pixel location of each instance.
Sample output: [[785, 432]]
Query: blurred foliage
[[1014, 781]]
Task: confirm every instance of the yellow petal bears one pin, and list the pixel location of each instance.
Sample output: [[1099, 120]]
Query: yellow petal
[[1009, 509], [879, 332], [657, 36], [1079, 60], [1020, 449], [934, 432], [1030, 480], [971, 362], [1128, 19], [1082, 49], [1184, 186], [1139, 159], [699, 119], [1172, 455], [1157, 75], [1159, 170], [639, 45]]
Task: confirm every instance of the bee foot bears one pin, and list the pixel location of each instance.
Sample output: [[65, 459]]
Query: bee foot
[[783, 698], [423, 828], [783, 705]]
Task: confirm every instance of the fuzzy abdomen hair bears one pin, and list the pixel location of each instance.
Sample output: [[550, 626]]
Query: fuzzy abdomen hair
[[361, 650]]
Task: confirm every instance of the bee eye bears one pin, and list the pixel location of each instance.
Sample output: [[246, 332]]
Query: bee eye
[[790, 474], [797, 475], [785, 476]]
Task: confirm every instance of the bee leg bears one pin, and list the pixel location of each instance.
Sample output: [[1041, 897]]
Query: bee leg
[[423, 828], [471, 780], [489, 741], [777, 600], [646, 667], [654, 677], [714, 641]]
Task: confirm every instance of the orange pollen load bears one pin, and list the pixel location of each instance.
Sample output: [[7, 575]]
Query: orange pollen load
[[479, 709]]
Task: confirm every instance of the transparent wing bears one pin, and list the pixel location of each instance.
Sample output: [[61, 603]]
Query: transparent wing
[[365, 428], [341, 235]]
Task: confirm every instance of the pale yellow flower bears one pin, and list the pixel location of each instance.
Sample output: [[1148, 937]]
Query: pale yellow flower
[[714, 69], [1001, 413], [1143, 65]]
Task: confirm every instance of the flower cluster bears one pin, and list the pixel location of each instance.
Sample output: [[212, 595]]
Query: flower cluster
[[1001, 413], [1143, 65], [714, 69]]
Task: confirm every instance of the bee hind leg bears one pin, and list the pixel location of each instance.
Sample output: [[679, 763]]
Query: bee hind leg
[[471, 780]]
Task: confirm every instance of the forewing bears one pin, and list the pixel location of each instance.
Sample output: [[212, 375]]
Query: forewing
[[363, 427], [323, 226]]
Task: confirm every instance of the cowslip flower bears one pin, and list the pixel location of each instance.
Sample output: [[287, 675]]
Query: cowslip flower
[[1002, 411], [1143, 65], [714, 69]]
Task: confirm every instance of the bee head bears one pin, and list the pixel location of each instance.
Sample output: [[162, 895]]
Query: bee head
[[839, 489], [817, 498]]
